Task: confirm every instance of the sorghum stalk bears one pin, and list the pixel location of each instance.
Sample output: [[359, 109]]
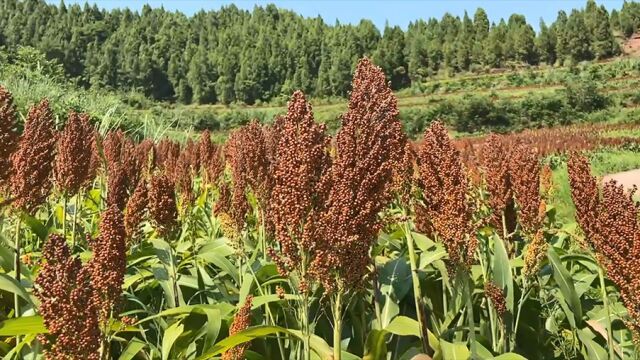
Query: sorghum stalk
[[468, 293], [75, 219], [16, 265], [337, 324], [417, 293], [605, 302]]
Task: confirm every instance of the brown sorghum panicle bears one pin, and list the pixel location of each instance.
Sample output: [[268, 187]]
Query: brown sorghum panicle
[[33, 161], [496, 295], [584, 192], [611, 228], [117, 187], [144, 156], [65, 291], [162, 204], [185, 169], [445, 186], [166, 155], [109, 262], [248, 145], [136, 210], [212, 163], [8, 135], [302, 159], [241, 321], [495, 165], [235, 155], [72, 158], [524, 170], [368, 146]]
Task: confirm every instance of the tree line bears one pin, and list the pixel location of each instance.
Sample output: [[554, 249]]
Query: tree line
[[233, 55]]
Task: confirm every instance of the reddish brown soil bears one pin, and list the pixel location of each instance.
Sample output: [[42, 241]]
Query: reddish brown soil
[[632, 46]]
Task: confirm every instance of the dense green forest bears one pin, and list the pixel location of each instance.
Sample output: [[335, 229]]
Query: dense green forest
[[232, 55]]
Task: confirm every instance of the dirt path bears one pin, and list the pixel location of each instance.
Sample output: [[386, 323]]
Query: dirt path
[[626, 178]]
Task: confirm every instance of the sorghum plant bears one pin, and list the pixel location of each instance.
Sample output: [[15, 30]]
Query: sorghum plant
[[33, 161], [610, 224], [495, 166], [241, 321], [368, 145], [163, 210], [302, 161], [8, 135], [65, 290], [72, 158]]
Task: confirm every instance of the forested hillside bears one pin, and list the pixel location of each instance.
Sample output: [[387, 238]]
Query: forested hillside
[[232, 55]]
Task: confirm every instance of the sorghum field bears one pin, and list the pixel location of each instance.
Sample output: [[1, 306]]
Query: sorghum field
[[288, 243]]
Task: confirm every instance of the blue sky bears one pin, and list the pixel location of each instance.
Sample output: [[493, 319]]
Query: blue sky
[[399, 12]]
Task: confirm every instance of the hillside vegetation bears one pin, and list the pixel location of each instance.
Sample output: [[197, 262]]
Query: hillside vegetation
[[215, 56]]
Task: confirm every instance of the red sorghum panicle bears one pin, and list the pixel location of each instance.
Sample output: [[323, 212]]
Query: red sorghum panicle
[[33, 161], [241, 321], [584, 192], [117, 187], [494, 293], [367, 147], [524, 170], [495, 165], [302, 159], [109, 262], [445, 186], [72, 158], [65, 291], [212, 164], [162, 204], [8, 134], [611, 228], [234, 151], [136, 210], [166, 155], [144, 156], [248, 146], [185, 169]]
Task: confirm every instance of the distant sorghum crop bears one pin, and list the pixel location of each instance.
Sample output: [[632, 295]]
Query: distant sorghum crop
[[163, 210], [33, 161], [109, 263], [241, 321], [302, 160], [445, 185], [65, 291], [8, 135], [72, 158], [368, 146]]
